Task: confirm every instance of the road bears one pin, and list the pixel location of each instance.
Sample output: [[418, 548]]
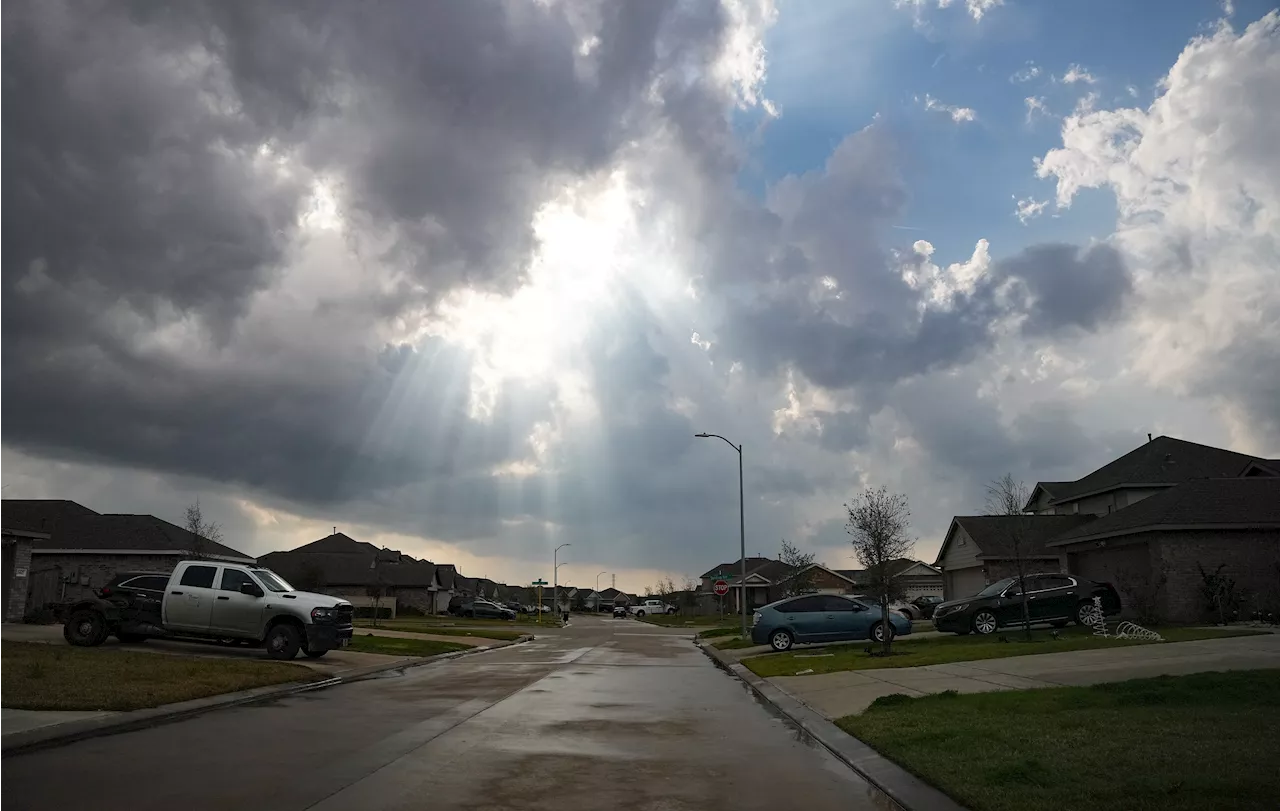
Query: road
[[603, 714]]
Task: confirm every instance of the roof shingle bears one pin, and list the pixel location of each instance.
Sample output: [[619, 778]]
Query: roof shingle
[[994, 533]]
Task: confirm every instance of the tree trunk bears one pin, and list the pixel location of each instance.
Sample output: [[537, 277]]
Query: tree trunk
[[1026, 604]]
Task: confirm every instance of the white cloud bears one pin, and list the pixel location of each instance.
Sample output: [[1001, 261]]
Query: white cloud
[[1035, 105], [1027, 73], [960, 115], [1197, 187], [1075, 74], [977, 9], [1029, 209]]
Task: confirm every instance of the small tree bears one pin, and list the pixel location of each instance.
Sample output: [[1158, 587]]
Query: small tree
[[200, 531], [878, 523], [801, 581], [1006, 496]]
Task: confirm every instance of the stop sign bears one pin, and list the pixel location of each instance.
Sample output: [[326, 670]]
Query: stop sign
[[721, 588]]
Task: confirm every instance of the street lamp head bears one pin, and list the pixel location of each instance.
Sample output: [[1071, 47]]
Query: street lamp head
[[703, 436]]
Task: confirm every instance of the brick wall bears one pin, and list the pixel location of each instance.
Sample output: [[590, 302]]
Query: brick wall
[[1250, 557], [84, 574], [416, 598], [15, 604]]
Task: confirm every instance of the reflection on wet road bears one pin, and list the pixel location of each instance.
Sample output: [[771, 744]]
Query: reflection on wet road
[[604, 713]]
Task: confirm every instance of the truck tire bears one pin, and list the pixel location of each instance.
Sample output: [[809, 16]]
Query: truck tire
[[283, 641], [85, 628], [671, 611], [315, 654], [640, 613]]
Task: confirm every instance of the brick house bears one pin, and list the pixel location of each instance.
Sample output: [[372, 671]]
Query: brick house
[[915, 578], [83, 550], [1146, 522], [344, 567]]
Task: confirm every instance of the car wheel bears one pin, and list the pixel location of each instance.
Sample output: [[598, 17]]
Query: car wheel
[[130, 639], [671, 611], [283, 642], [781, 641], [316, 654], [640, 613], [984, 622], [85, 628], [1084, 612], [878, 631]]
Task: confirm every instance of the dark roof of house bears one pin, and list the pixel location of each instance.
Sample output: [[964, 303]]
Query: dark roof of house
[[994, 533], [446, 573], [39, 514], [130, 532], [338, 543], [1163, 460], [897, 566], [340, 560], [1243, 503], [768, 568]]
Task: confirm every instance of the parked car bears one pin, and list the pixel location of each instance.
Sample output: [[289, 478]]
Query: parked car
[[486, 608], [907, 610], [619, 611], [652, 607], [1051, 598], [822, 618], [206, 599], [926, 604]]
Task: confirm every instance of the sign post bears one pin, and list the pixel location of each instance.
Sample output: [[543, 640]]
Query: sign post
[[539, 583], [719, 580]]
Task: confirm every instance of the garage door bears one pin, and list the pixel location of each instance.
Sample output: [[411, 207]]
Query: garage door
[[964, 583]]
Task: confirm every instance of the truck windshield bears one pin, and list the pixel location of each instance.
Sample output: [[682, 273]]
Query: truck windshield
[[272, 581]]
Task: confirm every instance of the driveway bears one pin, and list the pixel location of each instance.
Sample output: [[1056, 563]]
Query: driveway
[[850, 692], [602, 714]]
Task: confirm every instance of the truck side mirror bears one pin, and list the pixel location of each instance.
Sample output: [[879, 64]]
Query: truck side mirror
[[252, 589]]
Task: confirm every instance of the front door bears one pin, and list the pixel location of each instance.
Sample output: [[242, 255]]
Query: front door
[[235, 613], [807, 617], [1008, 608], [845, 619], [188, 605]]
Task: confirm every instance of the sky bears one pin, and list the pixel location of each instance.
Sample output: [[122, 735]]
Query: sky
[[465, 279]]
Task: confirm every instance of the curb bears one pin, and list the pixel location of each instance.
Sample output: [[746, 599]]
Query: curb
[[21, 743], [905, 789]]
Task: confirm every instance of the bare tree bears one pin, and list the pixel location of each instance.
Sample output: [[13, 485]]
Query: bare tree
[[1007, 496], [878, 523], [801, 581], [202, 532]]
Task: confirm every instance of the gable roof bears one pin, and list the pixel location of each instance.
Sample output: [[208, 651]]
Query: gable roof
[[993, 533], [338, 543], [130, 533], [1226, 503], [898, 566], [1164, 460], [768, 569], [39, 514]]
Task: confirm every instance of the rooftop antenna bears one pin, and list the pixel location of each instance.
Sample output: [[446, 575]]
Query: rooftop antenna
[[1148, 437]]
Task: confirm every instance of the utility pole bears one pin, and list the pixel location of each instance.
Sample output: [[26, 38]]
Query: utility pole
[[742, 531], [555, 578]]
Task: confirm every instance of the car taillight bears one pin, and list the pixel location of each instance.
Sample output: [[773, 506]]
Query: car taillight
[[105, 591]]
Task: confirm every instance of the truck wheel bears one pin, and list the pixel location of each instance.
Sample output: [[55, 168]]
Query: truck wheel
[[283, 641], [130, 638], [671, 611], [315, 654], [640, 613], [85, 628]]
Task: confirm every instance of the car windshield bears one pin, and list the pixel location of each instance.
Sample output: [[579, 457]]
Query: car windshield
[[996, 587], [272, 581]]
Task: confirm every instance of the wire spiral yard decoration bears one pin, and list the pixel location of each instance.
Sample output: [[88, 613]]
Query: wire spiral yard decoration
[[1096, 620], [1130, 630]]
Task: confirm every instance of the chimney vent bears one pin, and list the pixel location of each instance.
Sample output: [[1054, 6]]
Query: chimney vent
[[1148, 437]]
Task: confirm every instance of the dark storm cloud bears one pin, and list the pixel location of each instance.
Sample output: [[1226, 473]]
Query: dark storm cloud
[[1068, 287], [158, 158]]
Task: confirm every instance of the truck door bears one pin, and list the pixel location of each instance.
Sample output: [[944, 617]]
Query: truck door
[[188, 604], [234, 613]]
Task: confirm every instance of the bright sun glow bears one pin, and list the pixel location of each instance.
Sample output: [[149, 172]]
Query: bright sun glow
[[588, 246]]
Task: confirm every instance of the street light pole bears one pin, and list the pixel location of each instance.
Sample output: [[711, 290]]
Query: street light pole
[[555, 578], [597, 605], [742, 531]]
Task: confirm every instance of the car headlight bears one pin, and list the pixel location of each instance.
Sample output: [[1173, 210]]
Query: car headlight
[[321, 614], [952, 609]]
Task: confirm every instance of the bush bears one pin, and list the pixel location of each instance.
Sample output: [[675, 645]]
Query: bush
[[366, 612], [1221, 595]]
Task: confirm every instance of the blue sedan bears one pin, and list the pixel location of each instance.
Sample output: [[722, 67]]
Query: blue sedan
[[822, 618]]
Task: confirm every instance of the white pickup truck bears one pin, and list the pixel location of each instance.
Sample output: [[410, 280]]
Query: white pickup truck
[[210, 599], [651, 607]]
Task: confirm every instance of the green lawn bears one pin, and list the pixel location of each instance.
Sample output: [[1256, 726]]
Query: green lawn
[[59, 677], [1174, 743], [711, 632], [363, 642], [733, 643], [941, 650], [502, 632]]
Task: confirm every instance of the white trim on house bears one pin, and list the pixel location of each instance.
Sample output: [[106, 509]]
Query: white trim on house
[[932, 570], [172, 552], [831, 572]]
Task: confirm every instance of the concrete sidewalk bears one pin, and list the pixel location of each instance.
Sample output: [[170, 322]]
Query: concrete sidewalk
[[474, 641], [850, 692]]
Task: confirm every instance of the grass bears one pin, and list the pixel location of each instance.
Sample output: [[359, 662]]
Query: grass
[[1174, 743], [58, 677], [464, 628], [941, 650], [712, 632], [400, 646], [733, 643], [501, 633]]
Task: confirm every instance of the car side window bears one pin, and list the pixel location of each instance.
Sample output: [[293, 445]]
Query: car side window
[[1015, 591], [200, 577], [803, 605], [152, 582], [1053, 581], [233, 578], [831, 602]]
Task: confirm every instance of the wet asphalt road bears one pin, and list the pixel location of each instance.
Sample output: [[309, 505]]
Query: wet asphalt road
[[603, 714]]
